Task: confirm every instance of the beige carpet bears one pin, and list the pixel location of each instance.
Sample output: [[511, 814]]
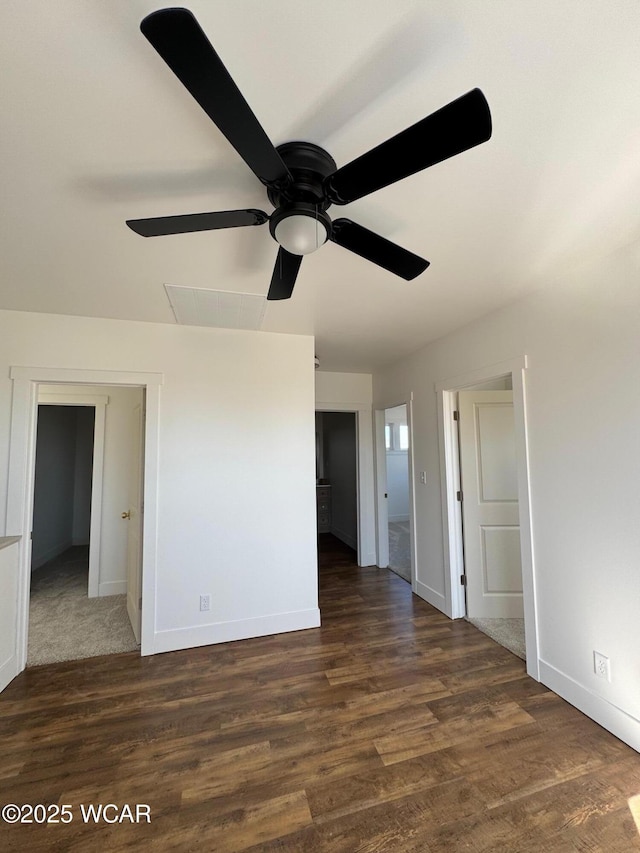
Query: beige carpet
[[64, 624], [509, 633], [399, 554]]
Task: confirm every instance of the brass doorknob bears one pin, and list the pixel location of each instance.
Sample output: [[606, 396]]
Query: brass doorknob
[[126, 514]]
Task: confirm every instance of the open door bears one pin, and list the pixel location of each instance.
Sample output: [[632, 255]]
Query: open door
[[490, 509], [133, 517], [397, 491]]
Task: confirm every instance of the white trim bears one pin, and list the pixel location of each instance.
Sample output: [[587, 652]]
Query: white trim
[[97, 475], [22, 442], [99, 403], [112, 588], [431, 596], [150, 517], [364, 476], [241, 629], [606, 714], [20, 480], [382, 509], [72, 376], [9, 567], [49, 398], [449, 478], [482, 374], [454, 597], [9, 670], [412, 501]]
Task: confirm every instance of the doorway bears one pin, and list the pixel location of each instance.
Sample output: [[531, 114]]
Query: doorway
[[490, 513], [81, 559], [337, 480], [396, 442], [26, 381], [394, 491], [485, 491]]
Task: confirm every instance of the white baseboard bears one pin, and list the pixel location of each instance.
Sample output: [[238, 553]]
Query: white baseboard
[[609, 716], [368, 559], [38, 560], [347, 538], [8, 671], [437, 599], [112, 588], [242, 629]]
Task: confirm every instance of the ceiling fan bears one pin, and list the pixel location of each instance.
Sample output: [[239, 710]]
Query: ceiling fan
[[302, 179]]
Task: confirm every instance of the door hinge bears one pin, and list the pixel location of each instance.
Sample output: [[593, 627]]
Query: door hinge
[[463, 580], [140, 604], [456, 416], [459, 496]]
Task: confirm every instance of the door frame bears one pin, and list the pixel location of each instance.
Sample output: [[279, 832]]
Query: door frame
[[99, 403], [382, 508], [21, 475], [446, 391]]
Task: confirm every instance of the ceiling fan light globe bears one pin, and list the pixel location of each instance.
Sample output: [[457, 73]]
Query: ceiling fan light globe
[[300, 234]]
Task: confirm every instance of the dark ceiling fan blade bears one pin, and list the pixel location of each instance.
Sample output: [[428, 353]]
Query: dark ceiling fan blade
[[181, 42], [458, 126], [377, 249], [184, 224], [284, 275]]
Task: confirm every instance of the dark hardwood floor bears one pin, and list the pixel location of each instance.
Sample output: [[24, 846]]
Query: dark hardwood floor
[[389, 729]]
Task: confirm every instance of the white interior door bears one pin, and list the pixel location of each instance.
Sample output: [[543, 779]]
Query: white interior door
[[490, 505], [133, 517]]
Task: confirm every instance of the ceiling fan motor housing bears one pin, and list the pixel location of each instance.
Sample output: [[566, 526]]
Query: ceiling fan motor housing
[[309, 166]]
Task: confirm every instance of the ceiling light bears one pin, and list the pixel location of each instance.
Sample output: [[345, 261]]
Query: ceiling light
[[300, 228]]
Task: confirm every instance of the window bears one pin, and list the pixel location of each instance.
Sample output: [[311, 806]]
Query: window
[[396, 437], [403, 434]]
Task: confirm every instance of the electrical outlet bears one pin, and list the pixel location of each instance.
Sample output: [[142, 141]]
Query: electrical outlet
[[601, 666], [205, 602]]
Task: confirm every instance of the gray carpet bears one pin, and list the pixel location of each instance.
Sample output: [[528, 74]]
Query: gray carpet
[[64, 624], [509, 633], [399, 553]]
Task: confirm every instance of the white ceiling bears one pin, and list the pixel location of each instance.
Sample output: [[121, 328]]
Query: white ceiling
[[96, 130]]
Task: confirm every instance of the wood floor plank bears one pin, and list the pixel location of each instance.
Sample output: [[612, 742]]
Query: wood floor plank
[[493, 718], [390, 729]]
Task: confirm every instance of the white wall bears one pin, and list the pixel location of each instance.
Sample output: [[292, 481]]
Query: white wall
[[343, 388], [583, 413], [236, 506]]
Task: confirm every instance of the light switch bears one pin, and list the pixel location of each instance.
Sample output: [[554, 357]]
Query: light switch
[[423, 477]]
